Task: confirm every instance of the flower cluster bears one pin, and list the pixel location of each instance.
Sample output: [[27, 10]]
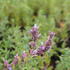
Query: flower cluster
[[7, 65], [32, 44], [34, 32], [33, 51], [46, 47], [35, 35], [15, 61]]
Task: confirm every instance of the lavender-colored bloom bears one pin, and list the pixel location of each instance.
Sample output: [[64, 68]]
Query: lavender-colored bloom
[[15, 61], [33, 52], [35, 33], [34, 28], [42, 48], [24, 55], [16, 56], [32, 44], [48, 43], [5, 63], [36, 52], [9, 67], [40, 52], [51, 35], [47, 48]]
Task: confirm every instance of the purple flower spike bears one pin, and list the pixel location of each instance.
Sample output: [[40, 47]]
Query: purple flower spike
[[33, 52], [9, 67], [32, 44], [24, 55], [35, 33], [16, 56], [34, 28], [40, 52], [42, 48], [51, 35], [47, 48], [48, 43], [15, 61], [5, 63]]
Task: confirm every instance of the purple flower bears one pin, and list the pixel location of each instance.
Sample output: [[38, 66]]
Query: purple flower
[[47, 48], [34, 28], [40, 52], [32, 44], [5, 63], [42, 48], [9, 67], [35, 33], [24, 55], [33, 52], [48, 43], [51, 35], [15, 61]]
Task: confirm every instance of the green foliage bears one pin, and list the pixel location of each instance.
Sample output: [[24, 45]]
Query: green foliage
[[16, 19], [64, 63]]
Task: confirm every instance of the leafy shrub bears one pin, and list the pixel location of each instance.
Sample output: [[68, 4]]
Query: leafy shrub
[[17, 18]]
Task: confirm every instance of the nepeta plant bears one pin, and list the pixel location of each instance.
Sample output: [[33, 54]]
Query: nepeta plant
[[20, 60], [21, 50], [35, 35], [44, 47], [34, 32]]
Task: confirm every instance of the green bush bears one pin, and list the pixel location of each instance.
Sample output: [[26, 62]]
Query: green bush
[[16, 19]]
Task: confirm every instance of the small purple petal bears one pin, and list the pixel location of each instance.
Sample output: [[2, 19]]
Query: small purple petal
[[5, 63], [40, 52], [35, 33], [24, 55], [51, 34], [32, 44], [47, 48], [48, 43], [42, 48], [15, 61], [33, 52], [9, 67]]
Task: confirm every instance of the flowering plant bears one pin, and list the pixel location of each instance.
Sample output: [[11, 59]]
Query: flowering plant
[[32, 51]]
